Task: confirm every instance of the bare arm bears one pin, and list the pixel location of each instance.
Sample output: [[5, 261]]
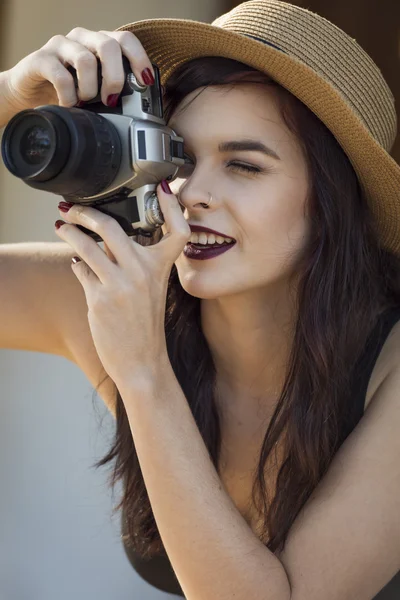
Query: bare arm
[[40, 297], [43, 309]]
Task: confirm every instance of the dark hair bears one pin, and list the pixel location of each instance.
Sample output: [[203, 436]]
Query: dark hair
[[345, 280]]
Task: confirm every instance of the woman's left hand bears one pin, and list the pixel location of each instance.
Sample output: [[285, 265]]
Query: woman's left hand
[[126, 287]]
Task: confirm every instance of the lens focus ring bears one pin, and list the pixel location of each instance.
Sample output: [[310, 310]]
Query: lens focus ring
[[105, 165]]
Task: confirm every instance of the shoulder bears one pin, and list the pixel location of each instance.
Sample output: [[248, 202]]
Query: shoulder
[[393, 343], [388, 360]]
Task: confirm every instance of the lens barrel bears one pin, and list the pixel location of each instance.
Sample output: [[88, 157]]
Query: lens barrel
[[67, 151]]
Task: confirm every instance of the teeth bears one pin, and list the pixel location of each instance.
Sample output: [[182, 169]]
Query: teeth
[[208, 238]]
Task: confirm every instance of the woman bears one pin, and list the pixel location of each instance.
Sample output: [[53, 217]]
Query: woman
[[277, 345]]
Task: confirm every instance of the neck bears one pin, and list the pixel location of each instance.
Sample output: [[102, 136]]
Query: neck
[[250, 342]]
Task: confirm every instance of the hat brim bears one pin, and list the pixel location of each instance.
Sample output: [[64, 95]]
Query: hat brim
[[171, 42]]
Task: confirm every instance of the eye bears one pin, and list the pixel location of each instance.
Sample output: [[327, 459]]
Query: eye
[[243, 167], [186, 169]]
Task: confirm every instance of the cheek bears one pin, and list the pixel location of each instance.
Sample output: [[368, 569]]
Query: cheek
[[279, 229]]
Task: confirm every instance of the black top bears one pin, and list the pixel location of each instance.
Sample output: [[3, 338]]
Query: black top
[[158, 571]]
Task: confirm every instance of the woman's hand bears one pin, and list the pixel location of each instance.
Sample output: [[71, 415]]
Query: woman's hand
[[42, 77], [126, 287]]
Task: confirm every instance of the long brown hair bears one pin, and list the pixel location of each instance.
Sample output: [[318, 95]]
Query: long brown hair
[[344, 281]]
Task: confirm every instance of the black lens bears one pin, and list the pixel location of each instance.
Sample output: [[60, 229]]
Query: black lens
[[35, 145], [66, 151]]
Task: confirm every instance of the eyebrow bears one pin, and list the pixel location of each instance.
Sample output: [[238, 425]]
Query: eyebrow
[[243, 145]]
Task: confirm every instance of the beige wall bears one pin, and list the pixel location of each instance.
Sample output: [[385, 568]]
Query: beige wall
[[28, 25], [57, 536]]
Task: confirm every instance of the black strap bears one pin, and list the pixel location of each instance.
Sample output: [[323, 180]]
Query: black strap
[[366, 364], [156, 571]]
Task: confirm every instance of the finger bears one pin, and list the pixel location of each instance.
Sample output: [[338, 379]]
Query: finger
[[50, 68], [109, 253], [69, 52], [108, 50], [116, 242], [134, 52], [88, 251], [83, 273], [176, 229]]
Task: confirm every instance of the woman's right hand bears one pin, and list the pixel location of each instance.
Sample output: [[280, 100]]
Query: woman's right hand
[[42, 77]]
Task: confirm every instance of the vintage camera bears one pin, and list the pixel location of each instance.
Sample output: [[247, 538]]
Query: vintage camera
[[111, 159]]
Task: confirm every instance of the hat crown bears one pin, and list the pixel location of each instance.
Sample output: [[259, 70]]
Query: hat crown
[[326, 49]]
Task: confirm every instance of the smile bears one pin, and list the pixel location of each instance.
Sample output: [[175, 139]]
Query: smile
[[194, 252]]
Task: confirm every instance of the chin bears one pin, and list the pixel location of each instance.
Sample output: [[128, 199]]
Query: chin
[[202, 292], [206, 286]]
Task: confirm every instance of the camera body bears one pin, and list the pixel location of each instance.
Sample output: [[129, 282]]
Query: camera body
[[108, 158]]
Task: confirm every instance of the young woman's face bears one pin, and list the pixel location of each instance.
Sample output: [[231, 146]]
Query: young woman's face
[[263, 208]]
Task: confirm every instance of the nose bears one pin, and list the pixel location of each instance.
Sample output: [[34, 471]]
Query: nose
[[193, 198]]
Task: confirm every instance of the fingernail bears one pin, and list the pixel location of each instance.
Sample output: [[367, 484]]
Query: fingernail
[[80, 104], [76, 259], [65, 206], [112, 100], [147, 76], [58, 224], [165, 187]]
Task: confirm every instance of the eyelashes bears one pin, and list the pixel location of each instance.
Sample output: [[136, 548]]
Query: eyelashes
[[233, 165], [243, 167]]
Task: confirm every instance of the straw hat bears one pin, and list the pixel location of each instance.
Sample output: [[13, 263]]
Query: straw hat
[[317, 62]]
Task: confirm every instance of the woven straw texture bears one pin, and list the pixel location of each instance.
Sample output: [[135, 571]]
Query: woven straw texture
[[317, 62]]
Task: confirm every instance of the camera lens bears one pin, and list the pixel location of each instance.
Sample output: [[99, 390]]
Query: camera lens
[[35, 145], [67, 151]]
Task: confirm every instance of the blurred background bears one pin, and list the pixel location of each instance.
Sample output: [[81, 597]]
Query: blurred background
[[58, 539]]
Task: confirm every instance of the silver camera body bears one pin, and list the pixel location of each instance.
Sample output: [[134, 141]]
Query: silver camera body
[[108, 158]]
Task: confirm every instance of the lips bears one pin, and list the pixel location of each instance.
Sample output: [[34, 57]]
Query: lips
[[192, 252]]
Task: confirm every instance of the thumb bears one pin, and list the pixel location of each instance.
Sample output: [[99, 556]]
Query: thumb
[[176, 229]]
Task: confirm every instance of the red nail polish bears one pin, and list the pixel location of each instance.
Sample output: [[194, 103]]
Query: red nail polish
[[112, 100], [65, 206], [58, 224], [147, 77], [76, 259], [165, 187]]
